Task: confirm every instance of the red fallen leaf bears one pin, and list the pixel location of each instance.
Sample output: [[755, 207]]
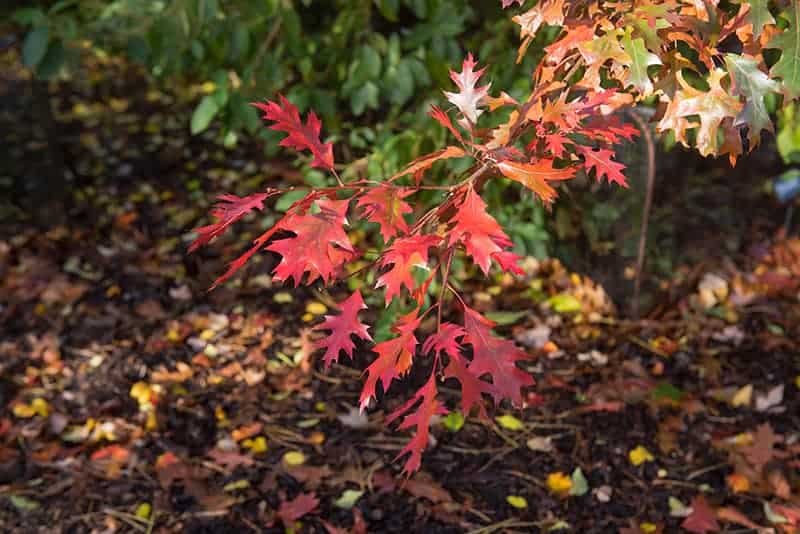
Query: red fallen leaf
[[496, 357], [319, 247], [702, 519], [115, 453], [385, 205], [418, 166], [394, 357], [420, 418], [422, 486], [227, 211], [762, 450], [482, 237], [535, 176], [732, 515], [291, 511], [404, 254], [444, 119], [230, 460], [342, 327], [301, 136], [600, 161]]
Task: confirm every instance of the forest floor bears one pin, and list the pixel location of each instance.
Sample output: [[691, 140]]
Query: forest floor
[[132, 400]]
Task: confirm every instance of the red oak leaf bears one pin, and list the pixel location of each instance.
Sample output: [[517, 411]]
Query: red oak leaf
[[291, 511], [445, 340], [444, 119], [496, 357], [482, 236], [535, 176], [555, 144], [394, 357], [320, 245], [469, 97], [702, 519], [301, 136], [402, 255], [343, 327], [420, 418], [418, 166], [600, 161], [385, 205], [227, 211]]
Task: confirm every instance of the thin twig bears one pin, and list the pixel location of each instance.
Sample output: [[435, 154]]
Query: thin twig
[[648, 202]]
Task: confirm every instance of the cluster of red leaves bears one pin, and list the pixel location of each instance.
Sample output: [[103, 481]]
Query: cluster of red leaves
[[565, 125]]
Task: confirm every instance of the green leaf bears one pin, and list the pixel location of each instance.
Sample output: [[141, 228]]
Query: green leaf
[[348, 499], [28, 16], [641, 58], [287, 199], [517, 501], [35, 46], [509, 422], [453, 421], [52, 62], [753, 85], [788, 66], [23, 504], [759, 15], [564, 303], [366, 97], [503, 318], [579, 484], [204, 113]]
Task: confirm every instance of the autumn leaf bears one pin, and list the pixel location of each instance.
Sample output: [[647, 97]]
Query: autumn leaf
[[301, 136], [703, 519], [394, 357], [385, 205], [535, 176], [468, 97], [482, 237], [547, 12], [444, 119], [404, 254], [342, 327], [319, 247], [641, 58], [600, 161], [495, 357], [711, 107], [420, 418], [227, 211], [291, 511], [418, 166], [752, 84], [788, 66]]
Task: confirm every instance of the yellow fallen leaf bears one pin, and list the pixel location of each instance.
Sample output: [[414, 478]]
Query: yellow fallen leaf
[[307, 317], [559, 484], [743, 438], [293, 458], [283, 297], [640, 455], [517, 502], [647, 528], [797, 381], [316, 308], [509, 422], [207, 334], [743, 396], [256, 445], [738, 483], [142, 392], [143, 510], [23, 410]]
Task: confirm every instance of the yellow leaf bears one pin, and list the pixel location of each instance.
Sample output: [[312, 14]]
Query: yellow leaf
[[316, 308], [559, 484], [509, 422], [797, 381], [283, 297], [738, 483], [141, 391], [143, 510], [293, 458], [744, 438], [207, 334], [307, 317], [256, 445], [23, 410], [647, 528], [743, 396], [517, 502], [640, 455]]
